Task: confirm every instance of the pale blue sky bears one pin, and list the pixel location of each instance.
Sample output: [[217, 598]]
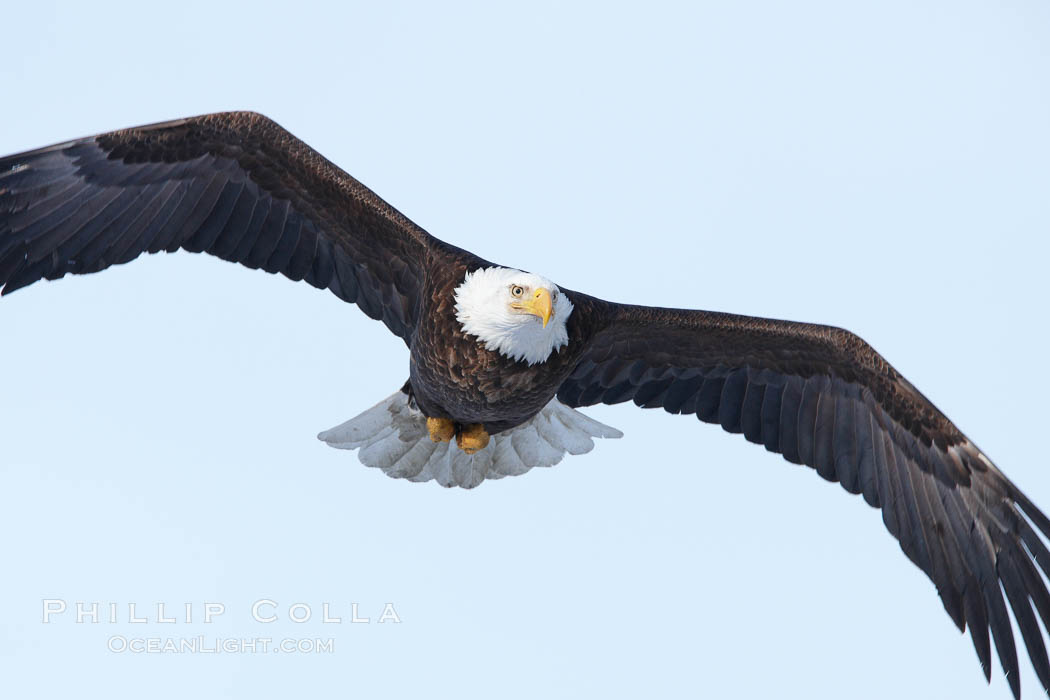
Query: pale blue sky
[[882, 166]]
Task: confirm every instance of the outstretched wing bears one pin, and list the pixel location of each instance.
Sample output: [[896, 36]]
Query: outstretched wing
[[821, 396], [233, 184]]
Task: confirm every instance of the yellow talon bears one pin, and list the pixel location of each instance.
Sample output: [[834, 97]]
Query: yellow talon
[[441, 429], [472, 438]]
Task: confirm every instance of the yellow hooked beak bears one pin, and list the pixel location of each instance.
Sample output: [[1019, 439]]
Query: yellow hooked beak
[[539, 305]]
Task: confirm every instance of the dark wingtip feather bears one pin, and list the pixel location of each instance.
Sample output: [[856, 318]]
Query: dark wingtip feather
[[977, 620]]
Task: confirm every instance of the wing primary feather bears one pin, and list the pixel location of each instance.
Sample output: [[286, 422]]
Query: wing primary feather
[[249, 209], [25, 210], [44, 235], [619, 393], [707, 399], [171, 227], [998, 618], [202, 209], [1007, 566], [304, 253], [845, 445], [261, 214], [680, 396], [731, 402], [216, 221], [97, 255], [269, 234], [344, 283], [789, 409], [807, 420], [72, 249], [772, 399], [912, 535], [868, 464], [285, 248], [143, 231], [824, 437], [650, 394], [751, 411], [887, 497], [949, 571]]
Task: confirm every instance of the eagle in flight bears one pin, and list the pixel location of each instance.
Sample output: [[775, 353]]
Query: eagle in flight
[[500, 359]]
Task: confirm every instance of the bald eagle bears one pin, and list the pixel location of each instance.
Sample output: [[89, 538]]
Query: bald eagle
[[500, 359]]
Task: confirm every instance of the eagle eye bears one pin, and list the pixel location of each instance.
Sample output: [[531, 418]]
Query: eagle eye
[[517, 291]]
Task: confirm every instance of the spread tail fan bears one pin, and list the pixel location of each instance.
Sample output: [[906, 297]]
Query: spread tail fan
[[392, 436]]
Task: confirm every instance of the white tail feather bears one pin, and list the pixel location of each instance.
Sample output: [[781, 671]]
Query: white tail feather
[[392, 436]]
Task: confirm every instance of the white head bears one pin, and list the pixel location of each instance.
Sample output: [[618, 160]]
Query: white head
[[518, 314]]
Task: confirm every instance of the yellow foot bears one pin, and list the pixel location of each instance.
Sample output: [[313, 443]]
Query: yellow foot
[[472, 438], [441, 429]]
